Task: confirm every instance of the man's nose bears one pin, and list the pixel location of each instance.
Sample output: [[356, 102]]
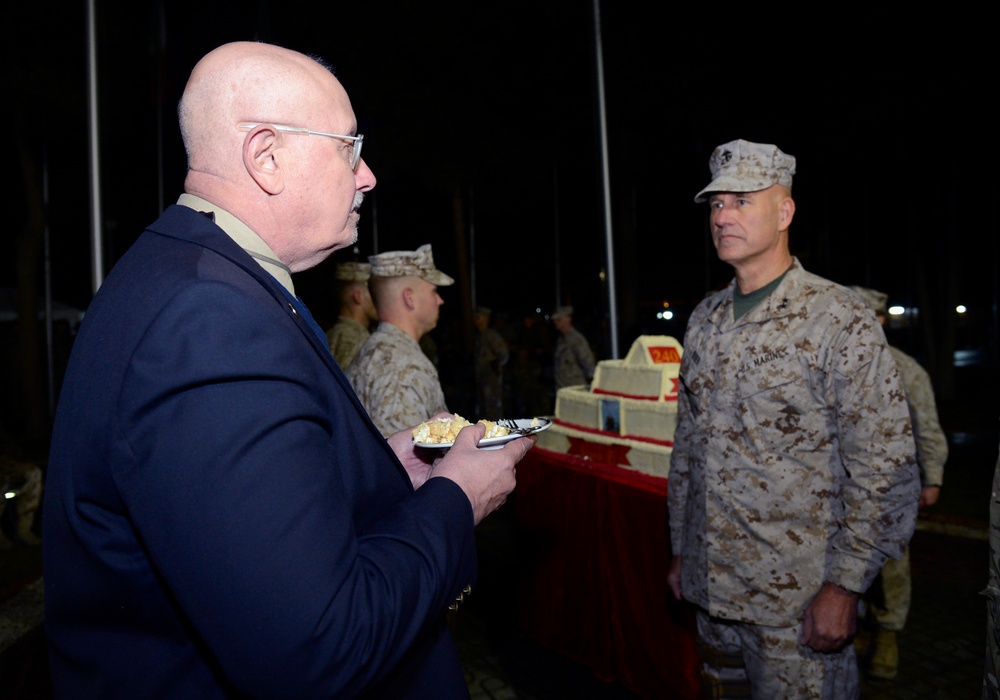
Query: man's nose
[[364, 177], [722, 215]]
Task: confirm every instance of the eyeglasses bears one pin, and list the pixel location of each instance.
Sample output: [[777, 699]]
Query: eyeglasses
[[356, 141]]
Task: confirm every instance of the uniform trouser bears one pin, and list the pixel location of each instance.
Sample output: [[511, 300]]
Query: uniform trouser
[[743, 660], [890, 613], [991, 671]]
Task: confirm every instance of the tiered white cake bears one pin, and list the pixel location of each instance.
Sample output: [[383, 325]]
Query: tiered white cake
[[630, 409]]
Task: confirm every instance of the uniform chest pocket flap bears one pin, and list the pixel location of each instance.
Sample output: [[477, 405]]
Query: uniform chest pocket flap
[[773, 398]]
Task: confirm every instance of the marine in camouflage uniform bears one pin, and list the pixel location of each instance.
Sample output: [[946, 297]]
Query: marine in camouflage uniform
[[491, 355], [357, 311], [891, 595], [395, 381], [574, 360], [793, 474], [932, 453]]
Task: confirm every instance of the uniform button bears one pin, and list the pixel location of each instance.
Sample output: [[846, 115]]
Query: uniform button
[[467, 590]]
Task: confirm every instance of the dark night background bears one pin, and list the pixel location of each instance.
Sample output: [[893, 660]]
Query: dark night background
[[481, 125], [482, 117]]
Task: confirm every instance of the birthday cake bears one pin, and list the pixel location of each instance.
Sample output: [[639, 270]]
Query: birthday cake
[[627, 416]]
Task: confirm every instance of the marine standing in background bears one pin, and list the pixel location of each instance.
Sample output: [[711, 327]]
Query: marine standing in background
[[890, 612], [491, 355], [395, 381], [357, 311], [793, 474], [574, 360]]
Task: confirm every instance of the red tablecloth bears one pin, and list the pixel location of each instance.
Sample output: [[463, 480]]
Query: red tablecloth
[[594, 584]]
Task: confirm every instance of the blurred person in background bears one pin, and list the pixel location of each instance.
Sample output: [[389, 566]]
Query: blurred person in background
[[574, 360], [357, 312], [889, 598], [491, 355]]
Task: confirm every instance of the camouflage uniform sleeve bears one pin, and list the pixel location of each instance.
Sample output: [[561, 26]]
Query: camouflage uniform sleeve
[[880, 485], [677, 480], [932, 445]]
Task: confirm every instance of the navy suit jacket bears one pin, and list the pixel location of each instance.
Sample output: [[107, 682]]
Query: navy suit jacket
[[222, 519]]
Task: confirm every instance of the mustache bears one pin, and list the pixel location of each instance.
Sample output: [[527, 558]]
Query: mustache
[[359, 197]]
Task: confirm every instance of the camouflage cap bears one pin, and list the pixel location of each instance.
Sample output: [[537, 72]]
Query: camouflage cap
[[482, 311], [743, 166], [562, 312], [875, 299], [353, 272], [409, 263]]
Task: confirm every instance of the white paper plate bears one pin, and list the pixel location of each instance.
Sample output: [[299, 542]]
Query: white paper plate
[[530, 425]]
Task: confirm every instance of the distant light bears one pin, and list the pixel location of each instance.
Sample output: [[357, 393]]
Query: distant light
[[666, 304], [659, 314], [538, 309], [897, 310], [961, 308], [10, 494], [667, 315]]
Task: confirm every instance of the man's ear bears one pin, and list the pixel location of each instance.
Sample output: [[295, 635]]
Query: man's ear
[[357, 295], [408, 298], [786, 210], [262, 158]]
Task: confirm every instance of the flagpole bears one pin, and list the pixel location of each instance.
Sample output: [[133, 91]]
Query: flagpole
[[96, 248], [609, 253]]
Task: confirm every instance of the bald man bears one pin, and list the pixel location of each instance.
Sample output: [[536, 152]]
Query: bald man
[[222, 518]]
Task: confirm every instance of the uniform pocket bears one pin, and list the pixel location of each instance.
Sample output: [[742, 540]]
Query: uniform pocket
[[775, 404]]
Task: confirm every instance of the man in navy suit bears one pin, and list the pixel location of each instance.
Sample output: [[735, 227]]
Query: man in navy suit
[[222, 519]]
